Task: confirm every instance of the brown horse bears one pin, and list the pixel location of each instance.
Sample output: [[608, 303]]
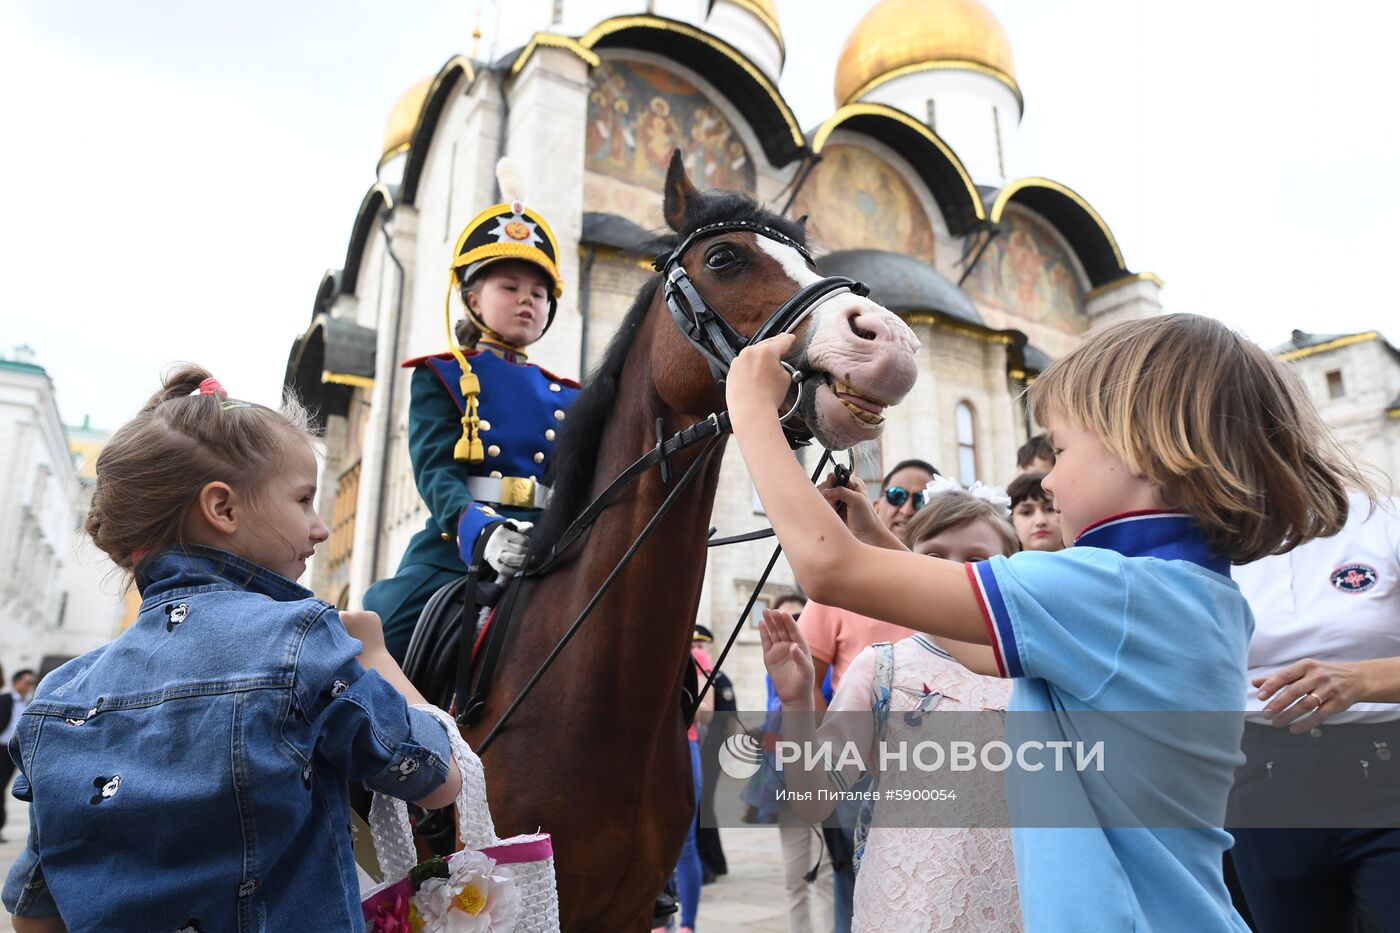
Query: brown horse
[[597, 755]]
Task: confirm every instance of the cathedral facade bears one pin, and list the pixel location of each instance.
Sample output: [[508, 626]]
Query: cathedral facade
[[904, 185]]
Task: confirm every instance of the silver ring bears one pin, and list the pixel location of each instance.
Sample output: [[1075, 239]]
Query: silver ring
[[797, 378]]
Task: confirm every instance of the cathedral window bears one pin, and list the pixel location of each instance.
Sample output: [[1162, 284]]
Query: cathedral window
[[1335, 387], [966, 424]]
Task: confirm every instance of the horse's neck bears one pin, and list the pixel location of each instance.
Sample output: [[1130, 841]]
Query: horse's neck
[[663, 581]]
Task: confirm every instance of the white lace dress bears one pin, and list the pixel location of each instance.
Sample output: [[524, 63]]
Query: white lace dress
[[927, 879]]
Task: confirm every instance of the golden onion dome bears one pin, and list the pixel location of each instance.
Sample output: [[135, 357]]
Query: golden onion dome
[[898, 37], [404, 117]]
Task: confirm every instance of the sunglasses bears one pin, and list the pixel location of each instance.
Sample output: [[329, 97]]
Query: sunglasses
[[896, 496]]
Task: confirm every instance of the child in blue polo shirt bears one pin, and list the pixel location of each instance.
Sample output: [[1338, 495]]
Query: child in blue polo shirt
[[1181, 448]]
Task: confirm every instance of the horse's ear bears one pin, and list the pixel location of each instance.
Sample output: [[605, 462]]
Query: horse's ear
[[802, 222], [679, 191]]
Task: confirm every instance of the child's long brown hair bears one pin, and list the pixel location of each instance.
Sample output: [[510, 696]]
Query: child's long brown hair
[[151, 471], [1222, 427]]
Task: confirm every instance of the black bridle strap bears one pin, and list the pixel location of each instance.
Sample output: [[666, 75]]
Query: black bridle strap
[[706, 330], [758, 535], [748, 606], [691, 472], [803, 302], [713, 426]]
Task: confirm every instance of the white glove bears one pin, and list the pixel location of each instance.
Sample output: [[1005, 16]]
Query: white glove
[[508, 547]]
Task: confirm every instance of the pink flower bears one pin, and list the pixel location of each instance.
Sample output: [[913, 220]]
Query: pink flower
[[387, 911]]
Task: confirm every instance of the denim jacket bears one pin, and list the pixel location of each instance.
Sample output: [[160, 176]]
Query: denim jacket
[[191, 775]]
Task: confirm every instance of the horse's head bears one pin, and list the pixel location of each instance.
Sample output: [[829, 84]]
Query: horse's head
[[856, 356]]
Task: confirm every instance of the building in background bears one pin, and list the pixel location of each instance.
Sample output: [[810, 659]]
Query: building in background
[[99, 606], [1354, 379], [51, 594], [910, 185]]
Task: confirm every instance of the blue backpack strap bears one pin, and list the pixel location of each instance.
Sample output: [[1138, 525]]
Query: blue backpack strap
[[880, 691]]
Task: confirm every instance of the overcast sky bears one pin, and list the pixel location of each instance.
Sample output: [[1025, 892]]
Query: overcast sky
[[180, 173]]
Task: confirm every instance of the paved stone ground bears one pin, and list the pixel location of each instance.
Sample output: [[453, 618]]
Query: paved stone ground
[[750, 897], [747, 900]]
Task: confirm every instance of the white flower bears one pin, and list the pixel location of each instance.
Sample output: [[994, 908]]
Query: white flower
[[477, 897], [942, 485]]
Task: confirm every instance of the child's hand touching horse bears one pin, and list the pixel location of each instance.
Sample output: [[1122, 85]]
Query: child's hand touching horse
[[859, 513]]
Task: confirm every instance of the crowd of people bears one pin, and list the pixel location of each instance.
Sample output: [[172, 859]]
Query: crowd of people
[[1186, 537]]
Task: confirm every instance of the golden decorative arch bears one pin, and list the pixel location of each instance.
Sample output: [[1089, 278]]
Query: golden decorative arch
[[733, 75], [1076, 220], [939, 167], [456, 68]]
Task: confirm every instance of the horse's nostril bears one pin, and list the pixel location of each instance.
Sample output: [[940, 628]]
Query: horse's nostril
[[859, 331]]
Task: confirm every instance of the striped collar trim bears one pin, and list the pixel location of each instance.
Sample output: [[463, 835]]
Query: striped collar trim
[[1166, 535]]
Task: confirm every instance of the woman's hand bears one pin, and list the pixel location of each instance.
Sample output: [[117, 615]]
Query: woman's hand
[[788, 659], [1308, 692], [38, 925], [859, 515], [757, 382]]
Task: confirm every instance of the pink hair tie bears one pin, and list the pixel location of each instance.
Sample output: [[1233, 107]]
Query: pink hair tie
[[211, 386]]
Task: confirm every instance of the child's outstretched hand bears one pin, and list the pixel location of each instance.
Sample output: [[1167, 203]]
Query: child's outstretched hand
[[788, 659], [757, 382], [366, 628]]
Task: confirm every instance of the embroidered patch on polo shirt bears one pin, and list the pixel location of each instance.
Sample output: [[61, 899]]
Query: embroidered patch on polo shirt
[[1354, 578]]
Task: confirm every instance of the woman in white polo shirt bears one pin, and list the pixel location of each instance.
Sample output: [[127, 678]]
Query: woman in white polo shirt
[[1324, 743]]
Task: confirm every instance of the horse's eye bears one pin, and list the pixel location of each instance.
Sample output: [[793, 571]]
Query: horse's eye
[[720, 257]]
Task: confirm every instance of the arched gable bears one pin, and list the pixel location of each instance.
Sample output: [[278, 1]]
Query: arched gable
[[860, 197], [640, 111], [733, 75], [1082, 227], [327, 291], [377, 198], [937, 165], [1031, 272], [456, 69]]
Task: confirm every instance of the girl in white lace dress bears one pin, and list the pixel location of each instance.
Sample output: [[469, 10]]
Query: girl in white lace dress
[[927, 878]]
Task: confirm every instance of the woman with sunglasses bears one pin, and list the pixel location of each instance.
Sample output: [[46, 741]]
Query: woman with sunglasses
[[911, 875]]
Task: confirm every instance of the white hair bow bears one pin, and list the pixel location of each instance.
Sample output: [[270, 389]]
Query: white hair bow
[[942, 485]]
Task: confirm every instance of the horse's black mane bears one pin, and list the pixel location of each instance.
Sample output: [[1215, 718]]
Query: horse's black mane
[[570, 473]]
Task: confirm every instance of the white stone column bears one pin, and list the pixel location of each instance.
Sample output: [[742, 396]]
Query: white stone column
[[545, 138], [1133, 296]]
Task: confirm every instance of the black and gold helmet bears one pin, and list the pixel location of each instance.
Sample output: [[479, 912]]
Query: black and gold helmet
[[508, 230]]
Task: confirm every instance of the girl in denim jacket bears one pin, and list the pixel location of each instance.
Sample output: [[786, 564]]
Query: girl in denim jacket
[[191, 775]]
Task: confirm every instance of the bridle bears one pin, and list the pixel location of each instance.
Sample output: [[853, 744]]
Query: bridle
[[714, 338], [718, 343]]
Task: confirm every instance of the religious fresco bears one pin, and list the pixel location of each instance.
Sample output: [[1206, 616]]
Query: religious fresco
[[856, 200], [639, 113], [1027, 272]]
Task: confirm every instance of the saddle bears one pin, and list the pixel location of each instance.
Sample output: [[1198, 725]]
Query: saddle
[[456, 643]]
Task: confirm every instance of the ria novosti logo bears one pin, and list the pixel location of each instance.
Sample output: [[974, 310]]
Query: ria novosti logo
[[740, 756]]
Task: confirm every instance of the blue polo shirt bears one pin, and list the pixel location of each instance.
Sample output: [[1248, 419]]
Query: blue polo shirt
[[1140, 615]]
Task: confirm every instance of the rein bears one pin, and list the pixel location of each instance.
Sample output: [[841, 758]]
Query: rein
[[713, 337]]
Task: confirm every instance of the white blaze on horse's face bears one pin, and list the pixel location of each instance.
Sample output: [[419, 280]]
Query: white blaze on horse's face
[[866, 353]]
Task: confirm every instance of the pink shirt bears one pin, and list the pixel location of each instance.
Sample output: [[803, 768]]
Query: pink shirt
[[837, 636], [702, 657]]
